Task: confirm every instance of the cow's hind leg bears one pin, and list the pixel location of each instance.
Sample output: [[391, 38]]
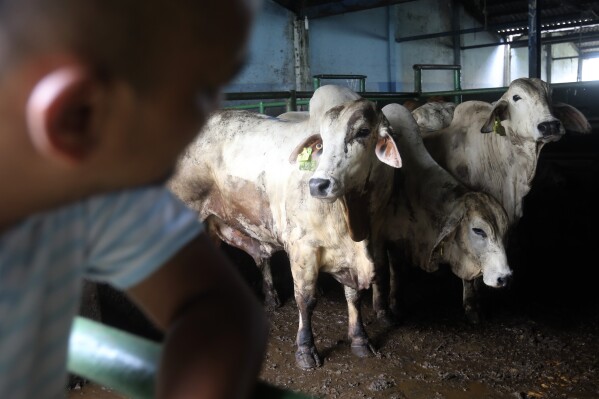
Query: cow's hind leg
[[271, 297], [397, 277], [381, 288], [360, 344], [219, 229], [471, 302]]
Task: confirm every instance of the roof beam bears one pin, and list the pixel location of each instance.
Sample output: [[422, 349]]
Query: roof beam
[[325, 8]]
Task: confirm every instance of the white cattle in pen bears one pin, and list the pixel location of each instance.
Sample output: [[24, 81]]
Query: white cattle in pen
[[495, 148], [434, 115], [433, 219], [503, 162], [310, 187]]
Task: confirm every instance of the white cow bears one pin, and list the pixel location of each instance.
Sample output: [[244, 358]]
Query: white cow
[[434, 115], [494, 148], [434, 219], [503, 164], [243, 177]]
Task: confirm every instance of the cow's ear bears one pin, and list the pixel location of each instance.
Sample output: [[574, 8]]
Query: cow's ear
[[386, 149], [572, 119], [500, 111], [309, 142], [433, 251]]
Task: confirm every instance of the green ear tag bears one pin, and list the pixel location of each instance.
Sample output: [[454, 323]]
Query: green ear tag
[[305, 160], [498, 127]]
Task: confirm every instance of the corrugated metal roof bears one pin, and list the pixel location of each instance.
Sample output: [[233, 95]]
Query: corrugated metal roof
[[576, 20]]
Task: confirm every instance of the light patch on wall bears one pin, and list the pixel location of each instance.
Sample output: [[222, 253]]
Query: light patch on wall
[[496, 66], [590, 69]]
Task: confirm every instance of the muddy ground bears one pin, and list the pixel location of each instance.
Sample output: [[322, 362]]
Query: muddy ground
[[539, 338], [533, 348]]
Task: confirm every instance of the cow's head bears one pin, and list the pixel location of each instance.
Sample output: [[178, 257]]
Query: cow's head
[[473, 240], [527, 113], [352, 138]]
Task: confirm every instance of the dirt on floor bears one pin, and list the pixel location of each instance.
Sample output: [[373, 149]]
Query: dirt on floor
[[527, 347], [521, 350]]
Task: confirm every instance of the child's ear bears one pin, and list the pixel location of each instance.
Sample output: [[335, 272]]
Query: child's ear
[[60, 112]]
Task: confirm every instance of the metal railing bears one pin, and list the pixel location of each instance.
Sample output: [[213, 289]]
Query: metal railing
[[291, 99], [457, 77], [360, 78]]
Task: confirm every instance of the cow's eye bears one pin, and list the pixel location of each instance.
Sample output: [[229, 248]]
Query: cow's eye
[[479, 232], [318, 146], [364, 132], [516, 98]]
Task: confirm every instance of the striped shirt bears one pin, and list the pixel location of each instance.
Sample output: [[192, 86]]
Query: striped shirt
[[118, 238]]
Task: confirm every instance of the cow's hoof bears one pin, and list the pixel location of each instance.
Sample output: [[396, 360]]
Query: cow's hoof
[[272, 302], [307, 358], [473, 316], [387, 318], [363, 350], [75, 382]]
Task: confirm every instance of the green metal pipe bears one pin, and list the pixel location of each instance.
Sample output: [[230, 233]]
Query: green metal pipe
[[291, 102], [340, 76], [261, 106], [360, 78], [265, 95], [128, 363], [389, 95], [362, 85], [418, 80], [457, 85]]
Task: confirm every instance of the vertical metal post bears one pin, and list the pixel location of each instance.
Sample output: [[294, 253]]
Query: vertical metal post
[[391, 47], [534, 40], [362, 85], [548, 62], [261, 107], [417, 80], [316, 83], [457, 85], [292, 101], [455, 27]]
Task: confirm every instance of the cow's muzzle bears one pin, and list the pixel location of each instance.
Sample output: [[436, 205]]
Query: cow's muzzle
[[550, 131], [498, 280], [323, 188]]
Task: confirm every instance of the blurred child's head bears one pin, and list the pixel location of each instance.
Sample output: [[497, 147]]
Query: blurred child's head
[[98, 95]]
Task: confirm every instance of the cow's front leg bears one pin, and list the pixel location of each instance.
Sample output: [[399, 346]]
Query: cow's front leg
[[470, 301], [306, 355], [271, 297], [360, 344], [305, 274]]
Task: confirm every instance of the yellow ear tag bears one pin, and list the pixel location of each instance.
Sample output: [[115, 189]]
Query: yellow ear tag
[[498, 127], [305, 160]]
